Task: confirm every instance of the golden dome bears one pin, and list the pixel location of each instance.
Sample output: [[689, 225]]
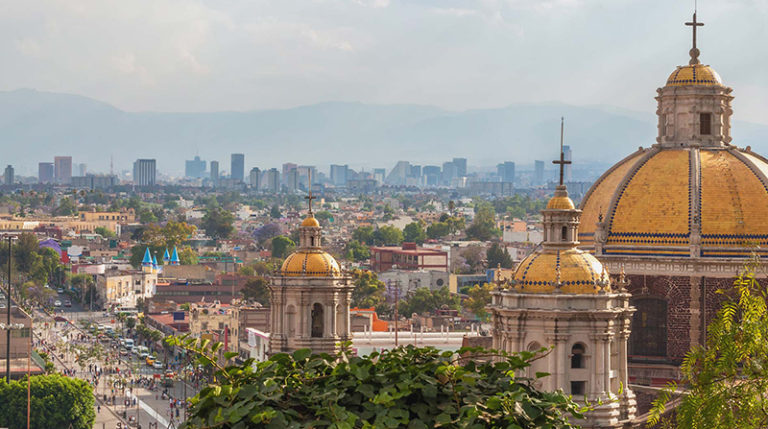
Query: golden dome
[[579, 272], [310, 263], [696, 74], [650, 200], [310, 221], [563, 203]]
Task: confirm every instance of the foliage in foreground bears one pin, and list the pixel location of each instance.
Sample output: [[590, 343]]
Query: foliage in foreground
[[726, 380], [57, 402], [405, 387]]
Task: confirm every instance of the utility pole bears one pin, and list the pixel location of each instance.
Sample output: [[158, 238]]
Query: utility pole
[[8, 314]]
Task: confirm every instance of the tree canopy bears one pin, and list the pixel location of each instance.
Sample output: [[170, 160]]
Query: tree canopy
[[414, 233], [282, 246], [217, 223], [369, 290], [483, 227], [56, 402], [418, 388], [498, 257], [424, 300]]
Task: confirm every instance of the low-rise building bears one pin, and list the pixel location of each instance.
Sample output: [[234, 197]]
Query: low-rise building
[[215, 320], [409, 256], [122, 288]]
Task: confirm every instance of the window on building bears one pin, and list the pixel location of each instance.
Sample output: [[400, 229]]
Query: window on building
[[578, 387], [317, 320], [649, 327], [577, 355], [705, 124], [564, 233]]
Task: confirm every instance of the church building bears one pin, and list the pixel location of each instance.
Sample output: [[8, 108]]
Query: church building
[[682, 216]]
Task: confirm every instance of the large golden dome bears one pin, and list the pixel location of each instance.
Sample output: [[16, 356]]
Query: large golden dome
[[576, 271], [687, 202], [310, 263], [694, 74]]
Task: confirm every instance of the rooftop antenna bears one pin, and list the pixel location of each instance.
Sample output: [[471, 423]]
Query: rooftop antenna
[[562, 160]]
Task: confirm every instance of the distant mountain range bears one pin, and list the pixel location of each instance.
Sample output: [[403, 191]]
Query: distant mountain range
[[35, 126]]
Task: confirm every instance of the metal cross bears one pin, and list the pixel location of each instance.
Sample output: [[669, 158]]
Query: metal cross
[[694, 50], [562, 160], [309, 196]]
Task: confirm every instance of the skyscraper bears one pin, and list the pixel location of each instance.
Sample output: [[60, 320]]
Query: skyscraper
[[339, 174], [568, 157], [195, 168], [461, 166], [450, 172], [45, 172], [144, 172], [215, 173], [237, 167], [506, 171], [254, 178], [82, 169], [8, 176], [272, 179], [63, 169], [538, 172]]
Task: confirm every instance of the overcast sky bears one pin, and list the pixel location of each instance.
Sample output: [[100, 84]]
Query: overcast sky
[[187, 55]]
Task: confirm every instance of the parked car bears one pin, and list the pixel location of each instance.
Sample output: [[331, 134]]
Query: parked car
[[57, 303]]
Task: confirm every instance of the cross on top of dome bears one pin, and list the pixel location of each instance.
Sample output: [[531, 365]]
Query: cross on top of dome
[[694, 51], [562, 161]]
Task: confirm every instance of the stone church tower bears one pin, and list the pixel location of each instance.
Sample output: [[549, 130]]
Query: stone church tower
[[562, 297], [309, 297]]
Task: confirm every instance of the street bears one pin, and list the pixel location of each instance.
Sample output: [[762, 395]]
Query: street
[[127, 389]]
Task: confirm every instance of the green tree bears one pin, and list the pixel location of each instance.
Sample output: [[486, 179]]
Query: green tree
[[403, 387], [146, 215], [424, 300], [56, 402], [274, 212], [483, 227], [414, 233], [255, 289], [169, 235], [388, 235], [282, 246], [188, 256], [369, 290], [438, 230], [498, 256], [364, 234], [218, 223], [324, 216], [726, 379], [66, 207], [479, 299], [355, 251], [105, 232]]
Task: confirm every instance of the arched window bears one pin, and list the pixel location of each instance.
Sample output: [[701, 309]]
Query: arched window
[[577, 355], [317, 321], [564, 233], [649, 327], [312, 241]]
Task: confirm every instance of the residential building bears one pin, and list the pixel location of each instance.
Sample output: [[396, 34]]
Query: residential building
[[215, 173], [339, 174], [409, 256], [63, 169], [538, 173], [461, 166], [272, 180], [219, 322], [237, 167], [82, 169], [121, 288], [254, 178], [144, 172], [506, 171], [92, 181], [8, 176]]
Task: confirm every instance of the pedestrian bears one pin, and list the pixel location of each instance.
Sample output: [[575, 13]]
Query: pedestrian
[[98, 408]]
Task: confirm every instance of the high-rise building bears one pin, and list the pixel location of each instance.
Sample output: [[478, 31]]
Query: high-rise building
[[291, 180], [45, 172], [461, 166], [237, 167], [215, 173], [538, 172], [144, 172], [379, 174], [8, 176], [195, 168], [82, 169], [272, 180], [567, 176], [399, 173], [450, 172], [63, 169], [254, 178], [304, 172], [431, 175], [415, 171], [506, 171], [339, 174]]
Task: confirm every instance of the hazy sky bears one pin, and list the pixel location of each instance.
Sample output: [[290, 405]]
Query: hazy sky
[[186, 55]]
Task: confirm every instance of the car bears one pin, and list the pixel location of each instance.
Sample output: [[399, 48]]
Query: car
[[143, 355], [150, 360], [67, 303], [59, 290], [157, 365], [57, 303], [169, 373], [124, 352]]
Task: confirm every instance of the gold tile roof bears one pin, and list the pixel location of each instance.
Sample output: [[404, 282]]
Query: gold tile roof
[[310, 263], [561, 203], [696, 74], [576, 271], [651, 200], [310, 221]]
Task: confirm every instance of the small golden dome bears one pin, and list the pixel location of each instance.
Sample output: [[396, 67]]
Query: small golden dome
[[696, 74], [563, 203], [578, 272], [310, 221], [310, 263]]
